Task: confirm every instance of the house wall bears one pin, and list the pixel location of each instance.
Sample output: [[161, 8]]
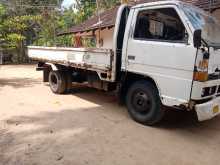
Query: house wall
[[216, 13], [107, 37]]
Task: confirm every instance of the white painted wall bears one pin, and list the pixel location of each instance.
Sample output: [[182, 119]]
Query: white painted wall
[[216, 13], [107, 37]]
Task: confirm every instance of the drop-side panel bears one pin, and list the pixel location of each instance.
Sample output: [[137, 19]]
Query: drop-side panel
[[99, 60]]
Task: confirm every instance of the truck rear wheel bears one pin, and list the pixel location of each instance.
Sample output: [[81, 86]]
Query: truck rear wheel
[[143, 103], [57, 81]]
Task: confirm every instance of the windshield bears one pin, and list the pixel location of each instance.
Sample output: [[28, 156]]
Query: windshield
[[209, 25]]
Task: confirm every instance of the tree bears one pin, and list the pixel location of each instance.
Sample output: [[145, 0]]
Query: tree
[[25, 22], [16, 30], [86, 9], [108, 3], [2, 17], [19, 23]]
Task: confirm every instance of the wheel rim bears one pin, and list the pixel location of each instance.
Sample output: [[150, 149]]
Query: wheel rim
[[141, 102]]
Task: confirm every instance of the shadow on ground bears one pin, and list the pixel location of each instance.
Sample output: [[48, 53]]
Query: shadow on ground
[[99, 133], [103, 133], [174, 118], [18, 82], [107, 103]]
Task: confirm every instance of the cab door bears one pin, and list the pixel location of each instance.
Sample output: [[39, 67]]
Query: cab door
[[162, 49]]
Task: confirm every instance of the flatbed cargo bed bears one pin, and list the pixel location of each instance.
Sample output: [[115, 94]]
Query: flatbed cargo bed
[[84, 58]]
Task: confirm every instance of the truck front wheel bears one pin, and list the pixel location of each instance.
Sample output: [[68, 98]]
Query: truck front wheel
[[57, 81], [143, 103]]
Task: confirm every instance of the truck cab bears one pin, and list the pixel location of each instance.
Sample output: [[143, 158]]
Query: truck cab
[[176, 46]]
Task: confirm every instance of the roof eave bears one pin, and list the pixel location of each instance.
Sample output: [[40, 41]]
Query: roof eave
[[87, 30]]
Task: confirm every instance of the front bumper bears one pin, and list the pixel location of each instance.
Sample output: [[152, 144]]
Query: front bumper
[[208, 110], [199, 86]]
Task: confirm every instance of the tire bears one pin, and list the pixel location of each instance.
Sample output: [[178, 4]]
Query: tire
[[58, 82], [144, 104]]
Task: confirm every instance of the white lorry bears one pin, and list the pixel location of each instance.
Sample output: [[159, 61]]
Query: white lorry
[[165, 53]]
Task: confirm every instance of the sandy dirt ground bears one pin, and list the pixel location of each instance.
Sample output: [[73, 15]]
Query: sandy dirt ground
[[89, 127]]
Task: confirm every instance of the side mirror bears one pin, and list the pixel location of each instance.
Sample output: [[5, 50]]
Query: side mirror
[[197, 38]]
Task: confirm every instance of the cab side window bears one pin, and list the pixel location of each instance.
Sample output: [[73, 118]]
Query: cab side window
[[161, 25]]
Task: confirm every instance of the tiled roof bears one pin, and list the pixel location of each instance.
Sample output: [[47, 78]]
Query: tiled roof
[[107, 20], [108, 17]]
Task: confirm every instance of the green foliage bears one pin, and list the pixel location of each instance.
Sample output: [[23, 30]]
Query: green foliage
[[51, 24], [85, 9], [13, 29], [25, 22], [18, 26], [106, 4], [2, 11]]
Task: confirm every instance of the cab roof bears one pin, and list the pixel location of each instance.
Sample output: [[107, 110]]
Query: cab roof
[[156, 3]]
